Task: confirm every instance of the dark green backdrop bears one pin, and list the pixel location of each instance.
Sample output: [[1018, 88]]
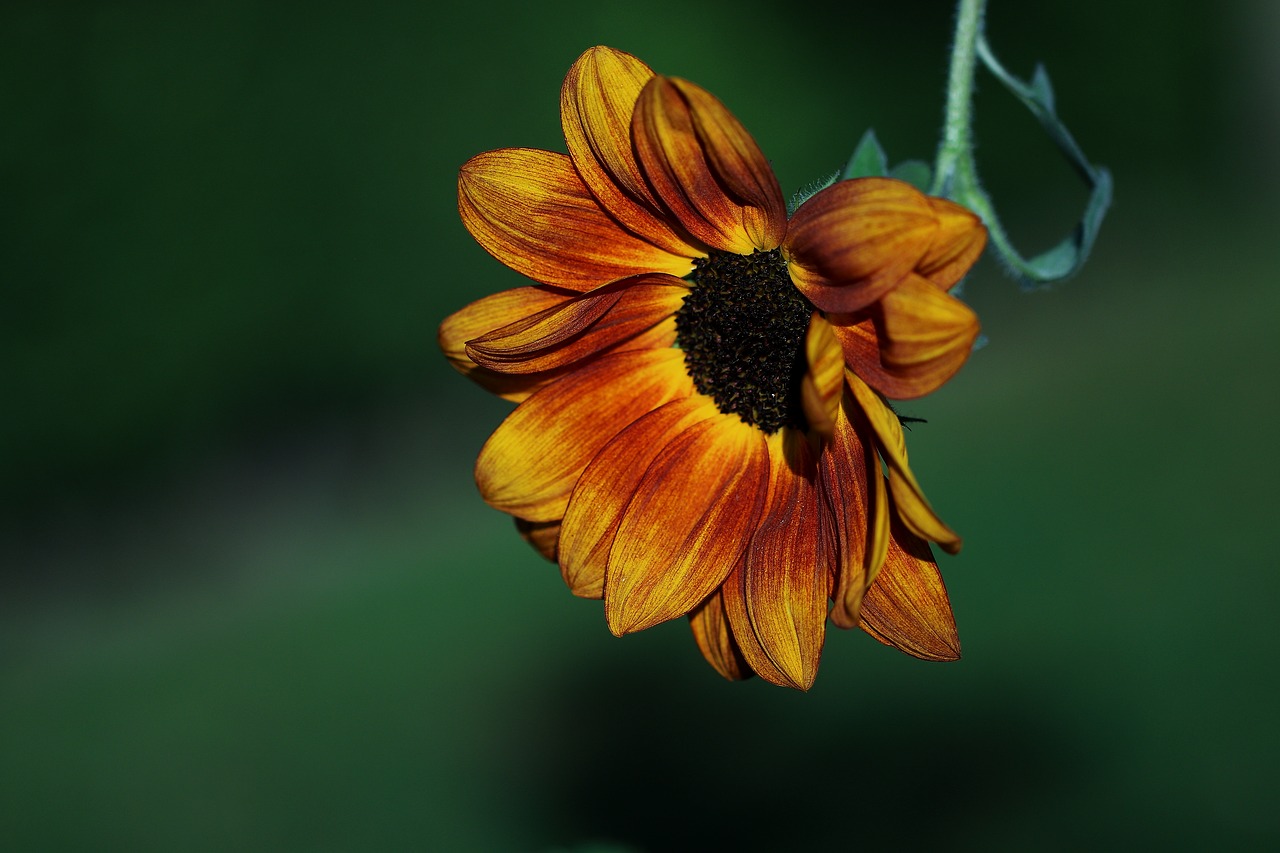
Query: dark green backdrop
[[251, 600]]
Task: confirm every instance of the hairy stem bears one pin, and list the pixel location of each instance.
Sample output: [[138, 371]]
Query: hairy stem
[[957, 137]]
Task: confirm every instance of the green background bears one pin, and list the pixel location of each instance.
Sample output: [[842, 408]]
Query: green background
[[249, 598]]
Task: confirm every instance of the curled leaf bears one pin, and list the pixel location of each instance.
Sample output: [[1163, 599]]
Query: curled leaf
[[1064, 259]]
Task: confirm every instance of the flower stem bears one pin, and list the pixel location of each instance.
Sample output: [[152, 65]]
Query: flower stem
[[957, 137], [955, 173]]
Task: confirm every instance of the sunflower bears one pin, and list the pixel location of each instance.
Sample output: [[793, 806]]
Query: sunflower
[[702, 427]]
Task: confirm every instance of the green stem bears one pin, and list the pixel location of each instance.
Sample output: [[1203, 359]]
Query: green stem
[[955, 174], [957, 138]]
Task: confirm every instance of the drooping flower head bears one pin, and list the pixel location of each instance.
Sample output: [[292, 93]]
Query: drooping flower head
[[702, 428]]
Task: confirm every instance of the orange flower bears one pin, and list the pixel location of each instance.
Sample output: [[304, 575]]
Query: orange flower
[[701, 426]]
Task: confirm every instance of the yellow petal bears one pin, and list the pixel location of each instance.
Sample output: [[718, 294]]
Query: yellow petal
[[917, 514], [702, 164], [856, 506], [714, 637], [529, 466], [688, 522], [530, 210], [486, 314], [576, 330], [603, 492], [907, 607], [733, 594], [596, 103], [925, 337], [879, 523], [909, 499], [854, 241], [542, 535], [958, 245], [823, 383], [787, 574]]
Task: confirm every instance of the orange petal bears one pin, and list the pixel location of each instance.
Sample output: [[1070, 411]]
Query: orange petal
[[542, 535], [605, 488], [925, 336], [690, 519], [486, 314], [787, 577], [596, 102], [661, 336], [854, 241], [714, 637], [861, 344], [705, 168], [733, 594], [823, 383], [530, 210], [570, 332], [909, 499], [529, 465], [910, 342], [856, 506], [957, 247], [738, 161], [907, 607]]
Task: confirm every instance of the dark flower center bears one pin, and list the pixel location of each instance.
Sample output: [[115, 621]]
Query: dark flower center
[[742, 330]]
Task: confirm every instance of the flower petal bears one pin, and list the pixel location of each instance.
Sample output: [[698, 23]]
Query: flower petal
[[542, 535], [715, 640], [857, 336], [787, 576], [925, 336], [493, 312], [857, 507], [909, 499], [881, 516], [917, 514], [530, 210], [907, 607], [596, 103], [578, 329], [733, 594], [822, 386], [738, 161], [529, 465], [603, 492], [910, 342], [854, 241], [706, 169], [687, 524], [960, 241]]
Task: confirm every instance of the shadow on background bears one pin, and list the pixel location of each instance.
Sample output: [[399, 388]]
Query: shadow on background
[[627, 758]]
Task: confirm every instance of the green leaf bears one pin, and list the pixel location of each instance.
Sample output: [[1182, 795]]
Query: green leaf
[[915, 172], [1064, 259], [868, 160]]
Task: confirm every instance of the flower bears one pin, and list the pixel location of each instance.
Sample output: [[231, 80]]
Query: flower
[[701, 383]]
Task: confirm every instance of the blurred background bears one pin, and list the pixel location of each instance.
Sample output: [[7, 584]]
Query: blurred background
[[250, 599]]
